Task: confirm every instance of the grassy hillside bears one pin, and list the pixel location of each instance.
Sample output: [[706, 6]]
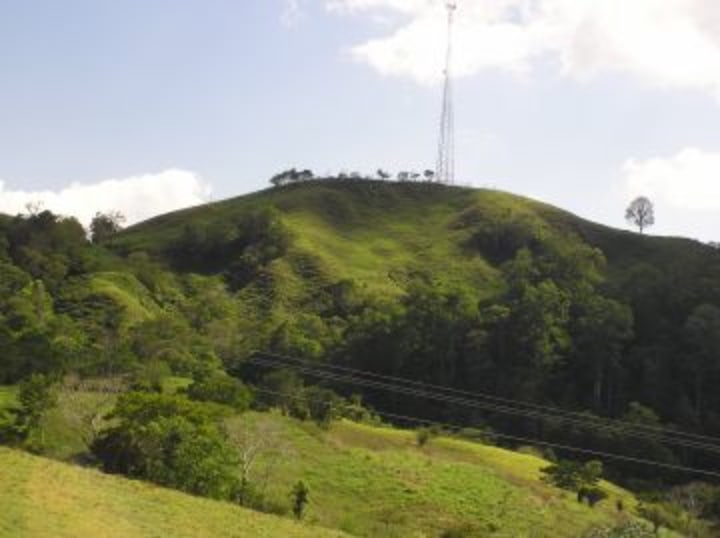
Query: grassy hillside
[[375, 481], [364, 480], [475, 289], [41, 498], [375, 232]]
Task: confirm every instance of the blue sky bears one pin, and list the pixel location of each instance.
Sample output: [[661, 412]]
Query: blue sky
[[149, 105]]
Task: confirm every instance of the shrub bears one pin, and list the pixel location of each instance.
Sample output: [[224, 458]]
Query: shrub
[[323, 404], [573, 475], [223, 389], [171, 441], [592, 495], [424, 435], [300, 498]]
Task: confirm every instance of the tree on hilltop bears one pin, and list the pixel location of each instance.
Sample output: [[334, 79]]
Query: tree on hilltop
[[291, 176], [105, 225], [641, 213]]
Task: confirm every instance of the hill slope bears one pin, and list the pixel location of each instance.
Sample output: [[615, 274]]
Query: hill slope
[[43, 498], [374, 232], [376, 481]]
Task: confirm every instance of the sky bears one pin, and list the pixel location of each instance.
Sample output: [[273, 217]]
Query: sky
[[145, 106]]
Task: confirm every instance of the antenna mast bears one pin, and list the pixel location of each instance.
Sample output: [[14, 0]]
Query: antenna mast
[[445, 168]]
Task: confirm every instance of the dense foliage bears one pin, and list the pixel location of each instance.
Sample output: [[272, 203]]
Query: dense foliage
[[171, 441], [564, 313]]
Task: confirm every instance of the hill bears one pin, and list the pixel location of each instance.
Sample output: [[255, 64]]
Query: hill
[[43, 498], [329, 251], [478, 290], [370, 231]]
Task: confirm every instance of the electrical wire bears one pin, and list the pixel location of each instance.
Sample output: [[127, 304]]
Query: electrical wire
[[482, 395], [516, 438], [622, 428]]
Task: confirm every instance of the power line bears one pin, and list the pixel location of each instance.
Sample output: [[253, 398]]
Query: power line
[[552, 411], [623, 428], [569, 448]]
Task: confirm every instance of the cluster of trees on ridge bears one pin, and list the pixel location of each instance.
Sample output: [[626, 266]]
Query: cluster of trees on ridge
[[288, 177], [643, 346], [640, 212]]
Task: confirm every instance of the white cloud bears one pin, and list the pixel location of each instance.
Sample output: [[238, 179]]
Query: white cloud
[[688, 180], [137, 197], [666, 43]]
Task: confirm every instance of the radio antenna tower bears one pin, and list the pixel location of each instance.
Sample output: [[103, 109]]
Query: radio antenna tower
[[445, 168]]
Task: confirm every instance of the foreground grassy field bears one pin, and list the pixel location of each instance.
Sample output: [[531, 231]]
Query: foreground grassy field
[[41, 498], [376, 481], [364, 480]]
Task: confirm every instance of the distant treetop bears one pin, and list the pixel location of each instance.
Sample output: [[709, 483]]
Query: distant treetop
[[641, 213]]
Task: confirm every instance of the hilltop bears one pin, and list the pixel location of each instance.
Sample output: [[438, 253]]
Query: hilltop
[[371, 230]]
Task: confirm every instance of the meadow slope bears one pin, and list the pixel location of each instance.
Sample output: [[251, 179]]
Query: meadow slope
[[41, 498]]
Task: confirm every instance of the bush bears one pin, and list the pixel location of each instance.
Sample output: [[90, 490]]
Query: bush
[[171, 441], [283, 389], [149, 377], [592, 495], [424, 435], [323, 405], [223, 389], [300, 496], [573, 475], [248, 495]]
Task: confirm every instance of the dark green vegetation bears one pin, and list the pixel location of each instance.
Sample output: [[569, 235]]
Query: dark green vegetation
[[478, 290]]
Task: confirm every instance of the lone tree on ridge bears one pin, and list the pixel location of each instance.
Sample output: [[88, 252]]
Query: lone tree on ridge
[[641, 213]]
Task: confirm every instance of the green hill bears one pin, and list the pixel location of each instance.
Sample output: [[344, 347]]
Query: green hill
[[474, 289], [42, 499], [374, 231]]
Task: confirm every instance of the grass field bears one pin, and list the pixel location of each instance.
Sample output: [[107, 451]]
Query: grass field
[[42, 498], [374, 481], [364, 480]]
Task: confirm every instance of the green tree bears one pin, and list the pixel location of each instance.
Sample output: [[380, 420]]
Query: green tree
[[36, 396], [172, 441], [601, 330], [324, 405], [283, 389], [104, 226], [531, 338], [573, 475], [221, 388], [300, 498], [702, 329]]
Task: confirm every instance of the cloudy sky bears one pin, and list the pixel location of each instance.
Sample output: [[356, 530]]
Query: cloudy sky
[[149, 105]]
